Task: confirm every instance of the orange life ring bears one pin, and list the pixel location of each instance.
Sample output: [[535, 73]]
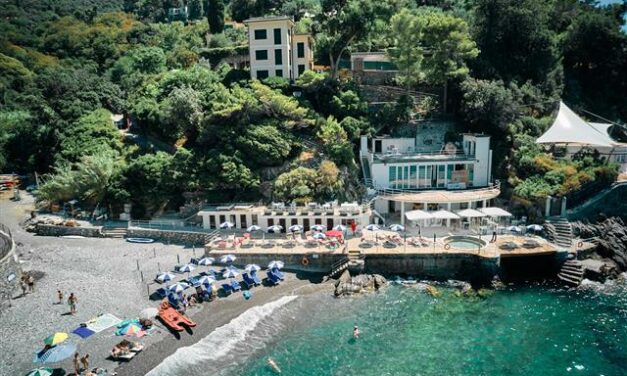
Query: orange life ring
[[580, 244], [447, 246], [305, 261]]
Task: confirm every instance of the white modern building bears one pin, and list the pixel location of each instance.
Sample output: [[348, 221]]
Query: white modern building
[[276, 50], [417, 174], [569, 134]]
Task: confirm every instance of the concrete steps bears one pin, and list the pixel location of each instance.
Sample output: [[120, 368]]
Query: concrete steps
[[571, 272], [563, 235], [115, 232]]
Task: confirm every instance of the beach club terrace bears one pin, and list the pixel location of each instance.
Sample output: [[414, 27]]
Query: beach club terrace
[[242, 216]]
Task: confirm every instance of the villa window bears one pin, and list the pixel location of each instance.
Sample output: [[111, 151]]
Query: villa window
[[278, 57], [300, 50], [261, 34], [413, 183], [261, 55], [392, 176], [262, 74], [254, 220], [441, 175], [278, 73], [277, 36], [301, 69]]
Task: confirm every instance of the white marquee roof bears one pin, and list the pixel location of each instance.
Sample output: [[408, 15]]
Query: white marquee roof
[[444, 214], [568, 128], [495, 212], [416, 215], [470, 213]]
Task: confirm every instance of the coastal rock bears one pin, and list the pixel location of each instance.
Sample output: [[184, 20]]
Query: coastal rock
[[612, 240], [347, 285]]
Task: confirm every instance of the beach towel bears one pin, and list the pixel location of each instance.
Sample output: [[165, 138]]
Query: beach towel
[[102, 322], [83, 332]]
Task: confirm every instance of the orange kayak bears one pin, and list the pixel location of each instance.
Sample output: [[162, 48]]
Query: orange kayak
[[172, 318]]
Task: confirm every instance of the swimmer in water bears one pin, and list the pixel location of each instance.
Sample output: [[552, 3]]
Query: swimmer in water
[[356, 332], [273, 365]]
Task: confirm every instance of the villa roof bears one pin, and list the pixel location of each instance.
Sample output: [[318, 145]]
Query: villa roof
[[416, 215], [268, 19], [568, 128], [470, 213]]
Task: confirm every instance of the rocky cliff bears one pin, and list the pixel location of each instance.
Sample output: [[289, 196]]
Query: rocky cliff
[[612, 236]]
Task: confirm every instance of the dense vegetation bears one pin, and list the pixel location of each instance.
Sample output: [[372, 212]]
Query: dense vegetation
[[66, 66]]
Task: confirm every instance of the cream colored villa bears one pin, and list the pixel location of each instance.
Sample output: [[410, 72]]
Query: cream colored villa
[[276, 50]]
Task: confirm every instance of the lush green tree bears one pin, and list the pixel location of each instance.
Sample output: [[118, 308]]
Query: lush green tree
[[488, 105], [215, 15], [348, 103], [195, 9], [329, 183], [335, 141], [297, 185], [149, 181], [264, 145]]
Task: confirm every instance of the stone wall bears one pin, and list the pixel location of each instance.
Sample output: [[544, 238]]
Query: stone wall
[[10, 270], [168, 236], [53, 230], [318, 262]]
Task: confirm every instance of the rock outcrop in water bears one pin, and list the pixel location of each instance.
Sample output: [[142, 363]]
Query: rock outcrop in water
[[347, 285], [612, 236]]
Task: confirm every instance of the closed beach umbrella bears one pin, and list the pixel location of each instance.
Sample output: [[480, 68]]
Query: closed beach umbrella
[[535, 228], [295, 228], [206, 280], [340, 228], [227, 259], [206, 261], [372, 227], [276, 264], [319, 235], [187, 268], [55, 354], [275, 228], [226, 225], [178, 287], [164, 277], [230, 273], [148, 313], [55, 339], [397, 228], [319, 227], [41, 372], [252, 268], [253, 228]]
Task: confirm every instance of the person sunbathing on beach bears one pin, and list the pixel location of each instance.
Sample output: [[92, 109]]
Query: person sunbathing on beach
[[273, 365]]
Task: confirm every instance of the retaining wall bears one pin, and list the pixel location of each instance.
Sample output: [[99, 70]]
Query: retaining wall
[[53, 230], [168, 236], [10, 270], [318, 262]]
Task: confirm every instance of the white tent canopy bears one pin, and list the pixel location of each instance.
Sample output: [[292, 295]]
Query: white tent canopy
[[495, 212], [444, 214], [417, 215], [470, 213], [568, 128]]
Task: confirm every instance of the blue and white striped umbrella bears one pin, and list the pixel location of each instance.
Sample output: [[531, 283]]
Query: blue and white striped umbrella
[[187, 268], [318, 227], [535, 228], [55, 354], [372, 227], [226, 225], [206, 261], [178, 287], [514, 229], [275, 228], [227, 259], [164, 277], [252, 268], [230, 273], [295, 228], [319, 235], [397, 228], [253, 228], [340, 228], [276, 264], [206, 280]]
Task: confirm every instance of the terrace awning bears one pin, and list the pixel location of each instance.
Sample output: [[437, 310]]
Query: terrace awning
[[444, 214], [495, 212], [570, 129], [417, 215], [470, 213]]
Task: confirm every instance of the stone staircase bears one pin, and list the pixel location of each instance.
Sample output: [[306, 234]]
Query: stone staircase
[[338, 267], [562, 233], [571, 272], [115, 232], [356, 262]]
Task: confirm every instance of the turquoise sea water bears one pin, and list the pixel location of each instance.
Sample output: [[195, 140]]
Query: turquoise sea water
[[526, 330]]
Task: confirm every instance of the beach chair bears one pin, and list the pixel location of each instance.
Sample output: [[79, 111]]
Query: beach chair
[[279, 274], [194, 281], [235, 285], [248, 281], [161, 292], [228, 290], [193, 261], [272, 278], [255, 278]]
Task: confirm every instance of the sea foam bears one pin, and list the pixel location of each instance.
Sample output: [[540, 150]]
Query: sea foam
[[220, 342]]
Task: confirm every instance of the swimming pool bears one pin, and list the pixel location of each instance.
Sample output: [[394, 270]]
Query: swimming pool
[[464, 242]]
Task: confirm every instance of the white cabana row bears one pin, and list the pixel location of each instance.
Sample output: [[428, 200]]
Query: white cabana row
[[495, 212], [470, 213], [444, 214], [417, 215]]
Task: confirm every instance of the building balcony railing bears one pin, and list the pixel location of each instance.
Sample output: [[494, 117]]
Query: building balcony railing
[[385, 191], [388, 157]]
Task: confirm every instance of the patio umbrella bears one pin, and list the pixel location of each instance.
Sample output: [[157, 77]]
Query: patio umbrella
[[178, 287], [252, 268], [535, 228], [372, 227], [187, 268], [164, 277], [41, 372], [397, 228], [318, 227], [55, 339], [514, 229], [55, 354], [206, 280], [226, 225], [148, 313], [206, 261], [295, 228], [227, 259], [276, 264], [230, 273], [340, 228], [253, 228], [319, 235], [334, 233], [275, 228]]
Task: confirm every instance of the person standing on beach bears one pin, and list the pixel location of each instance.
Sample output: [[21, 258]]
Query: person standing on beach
[[60, 296], [24, 287], [76, 362], [31, 283], [72, 303], [85, 361]]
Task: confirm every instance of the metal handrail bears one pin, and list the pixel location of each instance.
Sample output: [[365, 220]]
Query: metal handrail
[[396, 191]]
